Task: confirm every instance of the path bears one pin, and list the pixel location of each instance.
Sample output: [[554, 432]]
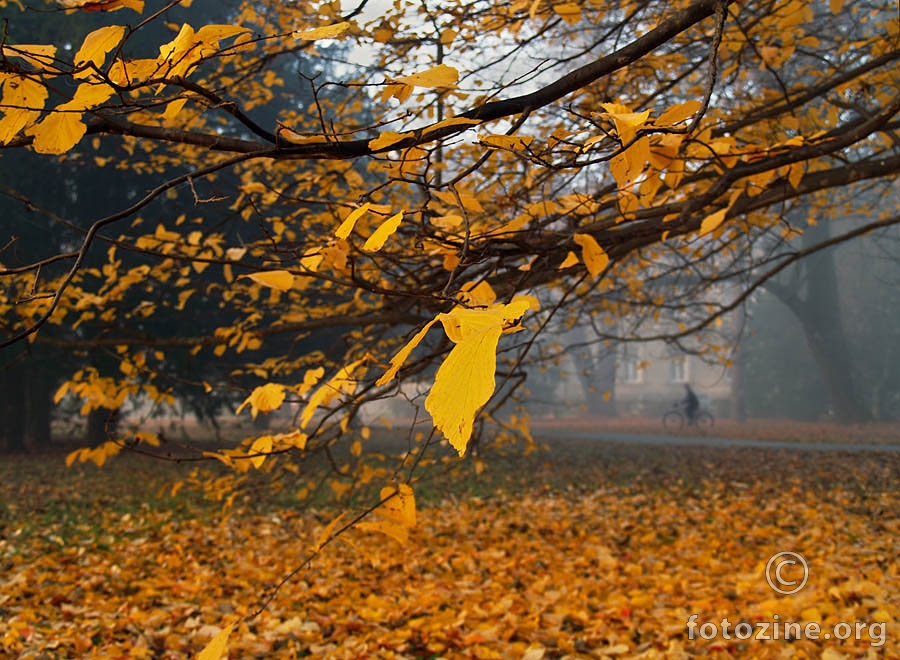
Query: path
[[714, 442]]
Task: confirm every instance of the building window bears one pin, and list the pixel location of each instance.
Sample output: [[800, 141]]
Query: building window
[[678, 369], [629, 368]]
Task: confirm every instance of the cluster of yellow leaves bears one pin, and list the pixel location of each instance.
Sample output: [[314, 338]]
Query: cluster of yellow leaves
[[63, 127], [607, 572]]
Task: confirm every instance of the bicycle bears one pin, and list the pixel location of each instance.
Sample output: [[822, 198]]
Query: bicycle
[[675, 419]]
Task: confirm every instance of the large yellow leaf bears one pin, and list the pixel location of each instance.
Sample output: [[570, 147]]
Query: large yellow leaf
[[57, 133], [274, 279], [265, 398], [376, 241], [438, 76], [594, 256], [464, 383], [95, 47], [217, 645], [465, 380]]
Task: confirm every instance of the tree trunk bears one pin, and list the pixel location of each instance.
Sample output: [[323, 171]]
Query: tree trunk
[[819, 313], [101, 425], [12, 409], [597, 375], [39, 394]]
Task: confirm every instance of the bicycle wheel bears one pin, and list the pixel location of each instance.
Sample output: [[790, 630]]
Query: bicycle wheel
[[673, 420], [705, 421]]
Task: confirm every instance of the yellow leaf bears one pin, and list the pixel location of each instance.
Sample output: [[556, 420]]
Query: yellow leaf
[[324, 32], [594, 256], [388, 527], [213, 33], [453, 121], [712, 221], [342, 383], [265, 398], [439, 76], [469, 201], [73, 456], [463, 384], [836, 6], [376, 241], [356, 448], [172, 110], [448, 35], [350, 221], [95, 47], [57, 133], [507, 141], [678, 113], [479, 294], [88, 95], [398, 504], [217, 645], [796, 174], [386, 139], [274, 279], [132, 71], [37, 55], [22, 99], [627, 123], [103, 5], [262, 446], [398, 360], [570, 260], [570, 12], [465, 380], [326, 533], [311, 259], [310, 378]]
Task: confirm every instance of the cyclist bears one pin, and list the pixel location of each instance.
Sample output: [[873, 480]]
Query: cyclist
[[691, 405]]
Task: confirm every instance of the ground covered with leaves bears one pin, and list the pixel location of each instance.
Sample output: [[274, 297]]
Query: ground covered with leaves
[[590, 550]]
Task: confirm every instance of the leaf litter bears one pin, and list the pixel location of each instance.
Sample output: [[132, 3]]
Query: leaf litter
[[589, 551]]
